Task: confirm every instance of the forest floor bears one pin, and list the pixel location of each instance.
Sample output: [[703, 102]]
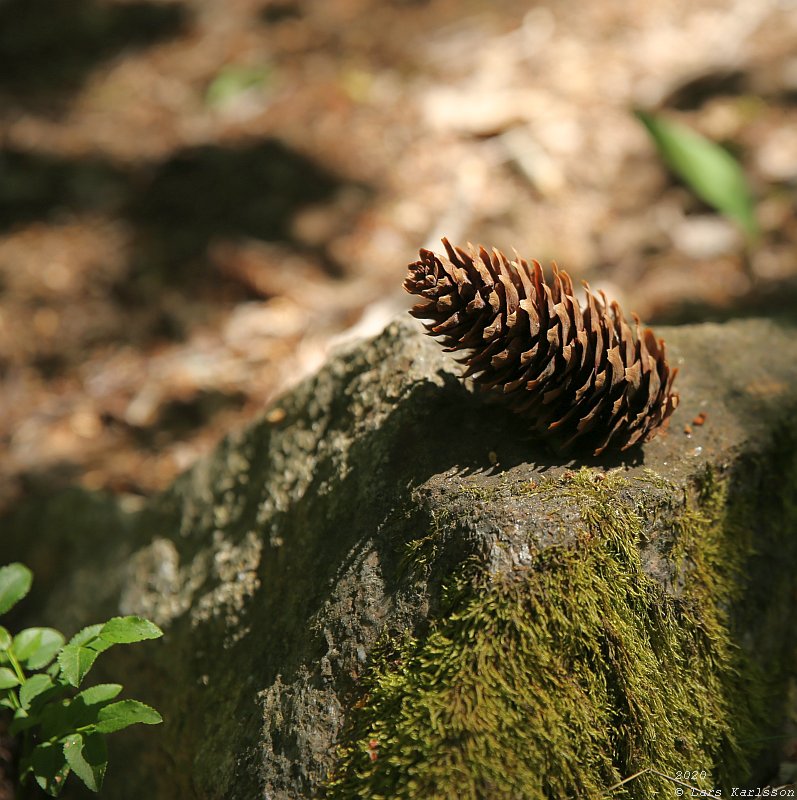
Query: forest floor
[[199, 199]]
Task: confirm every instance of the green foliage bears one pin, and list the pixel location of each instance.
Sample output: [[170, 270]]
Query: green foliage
[[708, 169], [15, 581], [63, 731]]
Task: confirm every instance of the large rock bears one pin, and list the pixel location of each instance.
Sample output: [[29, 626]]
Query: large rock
[[384, 589]]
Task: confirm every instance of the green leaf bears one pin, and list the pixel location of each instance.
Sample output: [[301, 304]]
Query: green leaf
[[36, 647], [15, 581], [88, 757], [55, 720], [8, 678], [126, 630], [49, 767], [33, 687], [86, 635], [83, 709], [101, 693], [75, 662], [5, 639], [710, 170], [77, 657], [120, 715]]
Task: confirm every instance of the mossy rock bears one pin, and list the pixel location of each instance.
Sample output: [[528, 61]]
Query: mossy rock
[[391, 593], [569, 668]]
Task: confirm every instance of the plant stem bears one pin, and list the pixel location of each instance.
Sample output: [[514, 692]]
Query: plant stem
[[17, 668]]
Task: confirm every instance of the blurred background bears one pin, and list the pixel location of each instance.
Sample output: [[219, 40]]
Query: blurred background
[[198, 199]]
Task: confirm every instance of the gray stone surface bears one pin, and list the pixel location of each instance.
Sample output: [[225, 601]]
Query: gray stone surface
[[275, 565]]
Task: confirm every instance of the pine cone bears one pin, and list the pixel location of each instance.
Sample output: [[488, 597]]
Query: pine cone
[[581, 377]]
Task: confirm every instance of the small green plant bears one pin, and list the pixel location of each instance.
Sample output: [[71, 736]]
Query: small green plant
[[61, 729], [712, 173], [234, 80]]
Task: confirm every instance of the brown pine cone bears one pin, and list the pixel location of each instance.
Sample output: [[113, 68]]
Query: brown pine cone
[[581, 377]]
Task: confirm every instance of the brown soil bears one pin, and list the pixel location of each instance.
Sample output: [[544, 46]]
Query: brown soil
[[198, 199]]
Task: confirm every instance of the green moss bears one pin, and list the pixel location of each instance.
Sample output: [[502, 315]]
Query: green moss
[[566, 677]]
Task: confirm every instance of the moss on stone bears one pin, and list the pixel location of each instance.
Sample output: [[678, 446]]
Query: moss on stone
[[565, 677]]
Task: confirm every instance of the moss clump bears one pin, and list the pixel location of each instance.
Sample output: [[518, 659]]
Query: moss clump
[[567, 677]]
